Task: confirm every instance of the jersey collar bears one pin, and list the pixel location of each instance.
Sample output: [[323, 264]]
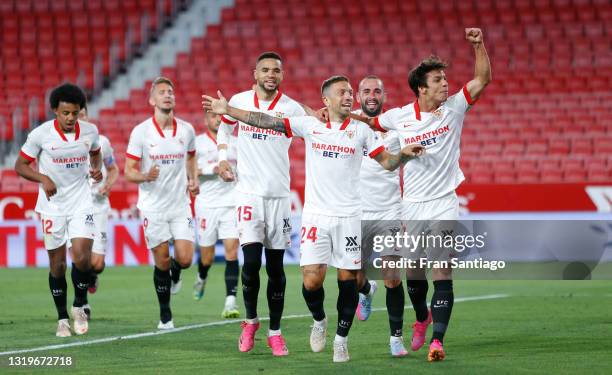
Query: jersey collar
[[417, 110], [159, 130], [209, 134], [343, 126], [272, 104], [77, 131]]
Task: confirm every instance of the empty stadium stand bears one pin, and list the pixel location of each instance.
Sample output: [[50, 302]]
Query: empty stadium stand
[[546, 117]]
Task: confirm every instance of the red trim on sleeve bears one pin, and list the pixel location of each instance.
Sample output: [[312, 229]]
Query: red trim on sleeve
[[417, 110], [133, 157], [191, 152], [60, 131], [467, 95], [377, 151], [174, 126], [77, 131], [26, 156], [225, 120], [378, 126], [288, 131]]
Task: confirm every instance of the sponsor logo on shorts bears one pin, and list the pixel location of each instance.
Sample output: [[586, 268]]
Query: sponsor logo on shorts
[[89, 220], [190, 222], [286, 225], [352, 245]]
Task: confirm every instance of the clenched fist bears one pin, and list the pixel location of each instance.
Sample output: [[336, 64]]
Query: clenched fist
[[473, 35]]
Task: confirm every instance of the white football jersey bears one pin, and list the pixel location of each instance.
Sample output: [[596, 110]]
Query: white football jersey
[[437, 173], [263, 159], [380, 188], [333, 161], [168, 149], [101, 202], [214, 192], [64, 158]]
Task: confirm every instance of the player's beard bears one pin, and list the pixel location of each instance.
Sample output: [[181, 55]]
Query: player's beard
[[371, 113], [165, 111], [262, 86]]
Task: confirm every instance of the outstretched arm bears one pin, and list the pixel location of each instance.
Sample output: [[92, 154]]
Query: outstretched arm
[[370, 121], [482, 66], [391, 162], [257, 119]]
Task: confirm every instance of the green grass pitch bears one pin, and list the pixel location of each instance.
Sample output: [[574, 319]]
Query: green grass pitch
[[538, 327]]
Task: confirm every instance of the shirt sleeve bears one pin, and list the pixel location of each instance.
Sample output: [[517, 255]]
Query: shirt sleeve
[[298, 110], [95, 144], [384, 121], [191, 140], [298, 126], [134, 148], [393, 143], [32, 146], [107, 152], [460, 102], [373, 143], [229, 120], [224, 133]]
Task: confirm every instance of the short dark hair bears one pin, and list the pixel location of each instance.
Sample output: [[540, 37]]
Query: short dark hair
[[371, 76], [418, 76], [269, 55], [330, 81], [67, 93]]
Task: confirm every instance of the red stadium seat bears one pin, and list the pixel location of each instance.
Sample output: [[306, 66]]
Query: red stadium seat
[[522, 115]]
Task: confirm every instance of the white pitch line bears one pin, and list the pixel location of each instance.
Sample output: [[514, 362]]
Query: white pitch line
[[203, 325]]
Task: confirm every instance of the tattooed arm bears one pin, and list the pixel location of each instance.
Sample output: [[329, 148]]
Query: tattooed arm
[[257, 119]]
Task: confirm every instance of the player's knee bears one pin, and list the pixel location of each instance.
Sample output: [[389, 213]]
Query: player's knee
[[251, 264], [58, 269], [275, 271], [231, 254], [163, 263], [184, 262], [392, 283], [81, 260], [442, 273], [98, 265], [312, 284], [416, 274]]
